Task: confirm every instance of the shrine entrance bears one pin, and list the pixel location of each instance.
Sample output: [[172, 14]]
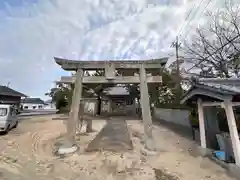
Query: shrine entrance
[[131, 72], [117, 101]]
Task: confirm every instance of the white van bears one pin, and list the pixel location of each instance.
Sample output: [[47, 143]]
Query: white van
[[8, 118]]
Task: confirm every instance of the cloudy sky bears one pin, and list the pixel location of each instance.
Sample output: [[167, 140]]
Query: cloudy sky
[[32, 32]]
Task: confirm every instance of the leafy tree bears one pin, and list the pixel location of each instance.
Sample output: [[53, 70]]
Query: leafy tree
[[60, 95], [160, 94]]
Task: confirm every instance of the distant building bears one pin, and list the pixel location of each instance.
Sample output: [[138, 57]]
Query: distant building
[[10, 96], [32, 103], [49, 104]]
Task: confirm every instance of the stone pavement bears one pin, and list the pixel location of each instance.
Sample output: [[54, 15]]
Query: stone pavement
[[113, 137]]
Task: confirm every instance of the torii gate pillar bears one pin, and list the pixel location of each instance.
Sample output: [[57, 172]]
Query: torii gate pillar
[[145, 106]]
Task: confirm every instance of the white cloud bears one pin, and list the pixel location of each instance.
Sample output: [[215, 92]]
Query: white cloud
[[33, 34]]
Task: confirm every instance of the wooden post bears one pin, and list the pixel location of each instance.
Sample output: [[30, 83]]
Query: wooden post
[[201, 124], [146, 113], [233, 130], [74, 113]]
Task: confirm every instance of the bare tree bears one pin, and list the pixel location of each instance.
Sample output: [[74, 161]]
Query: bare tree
[[217, 46]]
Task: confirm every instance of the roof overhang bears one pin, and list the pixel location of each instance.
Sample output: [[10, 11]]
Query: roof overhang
[[194, 93], [209, 93], [16, 94]]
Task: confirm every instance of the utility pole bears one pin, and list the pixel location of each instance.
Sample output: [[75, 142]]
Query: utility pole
[[178, 68], [177, 45]]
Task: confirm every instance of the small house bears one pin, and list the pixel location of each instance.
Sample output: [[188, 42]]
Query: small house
[[32, 103]]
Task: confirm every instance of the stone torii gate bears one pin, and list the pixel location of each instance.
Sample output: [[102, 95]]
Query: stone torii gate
[[149, 72]]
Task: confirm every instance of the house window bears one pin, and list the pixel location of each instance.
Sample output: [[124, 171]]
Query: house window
[[34, 107], [25, 107], [40, 107]]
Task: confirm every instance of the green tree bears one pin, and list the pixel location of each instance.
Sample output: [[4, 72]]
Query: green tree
[[160, 94], [60, 95]]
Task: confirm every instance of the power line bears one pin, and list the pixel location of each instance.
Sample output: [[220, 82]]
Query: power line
[[199, 16], [177, 44], [185, 20], [181, 29], [188, 31], [213, 53], [195, 12]]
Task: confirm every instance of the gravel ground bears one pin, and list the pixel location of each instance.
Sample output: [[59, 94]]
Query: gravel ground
[[26, 153]]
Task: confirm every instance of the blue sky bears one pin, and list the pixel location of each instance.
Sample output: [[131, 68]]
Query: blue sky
[[34, 31], [14, 2]]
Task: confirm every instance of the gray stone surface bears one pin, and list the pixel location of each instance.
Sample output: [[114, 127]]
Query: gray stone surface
[[234, 170], [113, 137], [204, 151]]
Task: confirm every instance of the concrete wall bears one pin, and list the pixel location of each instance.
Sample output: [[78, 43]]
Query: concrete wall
[[176, 116]]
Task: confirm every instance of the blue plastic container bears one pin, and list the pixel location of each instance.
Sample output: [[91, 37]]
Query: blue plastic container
[[220, 155]]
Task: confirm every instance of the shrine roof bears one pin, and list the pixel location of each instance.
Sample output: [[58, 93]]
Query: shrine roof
[[116, 90], [213, 89]]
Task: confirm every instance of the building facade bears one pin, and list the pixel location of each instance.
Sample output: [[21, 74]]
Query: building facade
[[32, 103]]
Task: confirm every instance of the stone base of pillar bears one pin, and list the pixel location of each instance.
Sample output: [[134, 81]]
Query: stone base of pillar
[[150, 144], [66, 149]]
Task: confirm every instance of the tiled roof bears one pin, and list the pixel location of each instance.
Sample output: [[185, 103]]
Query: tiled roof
[[224, 85], [6, 91], [213, 87], [33, 101], [117, 90]]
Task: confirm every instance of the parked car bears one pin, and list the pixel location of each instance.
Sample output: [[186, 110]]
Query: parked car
[[8, 118]]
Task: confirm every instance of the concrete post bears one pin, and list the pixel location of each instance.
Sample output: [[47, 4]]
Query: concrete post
[[146, 113], [211, 126], [201, 124], [110, 105], [75, 106], [70, 145], [233, 130], [89, 128]]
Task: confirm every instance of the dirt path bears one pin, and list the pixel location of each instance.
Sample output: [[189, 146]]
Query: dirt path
[[27, 153]]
